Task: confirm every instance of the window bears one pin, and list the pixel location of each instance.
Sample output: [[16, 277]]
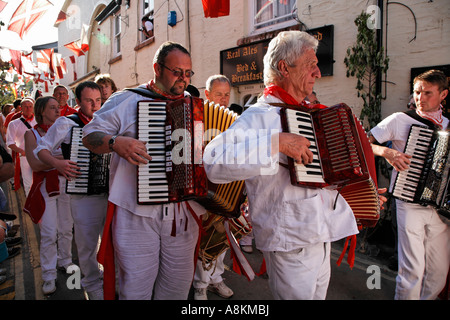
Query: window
[[273, 12], [148, 6], [117, 34], [147, 27]]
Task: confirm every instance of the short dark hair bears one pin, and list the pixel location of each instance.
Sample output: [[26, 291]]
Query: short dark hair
[[436, 77], [165, 49], [83, 85]]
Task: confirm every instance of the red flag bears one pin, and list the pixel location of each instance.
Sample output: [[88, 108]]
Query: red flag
[[2, 5], [61, 17], [59, 65], [75, 47], [16, 60], [216, 8], [80, 46], [27, 14], [45, 60], [72, 59]]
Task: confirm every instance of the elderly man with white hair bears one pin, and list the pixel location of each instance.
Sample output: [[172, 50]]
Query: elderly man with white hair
[[293, 226]]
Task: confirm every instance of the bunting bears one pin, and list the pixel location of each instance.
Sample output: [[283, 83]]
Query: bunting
[[80, 46], [44, 60], [2, 5], [59, 65], [72, 59], [27, 14], [16, 60]]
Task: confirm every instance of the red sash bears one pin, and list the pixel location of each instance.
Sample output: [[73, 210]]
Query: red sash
[[35, 203]]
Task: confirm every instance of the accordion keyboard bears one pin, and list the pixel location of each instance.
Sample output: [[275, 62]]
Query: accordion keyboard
[[301, 123], [81, 155], [417, 146], [152, 178]]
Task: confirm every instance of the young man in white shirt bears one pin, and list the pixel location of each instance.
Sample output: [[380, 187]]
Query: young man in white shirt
[[88, 211], [423, 234]]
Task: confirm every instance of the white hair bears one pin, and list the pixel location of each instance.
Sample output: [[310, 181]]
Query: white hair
[[214, 78], [287, 46]]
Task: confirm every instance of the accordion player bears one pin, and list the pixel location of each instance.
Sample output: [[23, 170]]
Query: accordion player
[[176, 132], [343, 157]]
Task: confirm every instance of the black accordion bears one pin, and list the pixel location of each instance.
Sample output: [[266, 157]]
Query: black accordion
[[94, 168], [176, 133], [426, 181]]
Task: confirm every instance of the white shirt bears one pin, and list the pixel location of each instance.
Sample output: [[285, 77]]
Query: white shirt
[[38, 140], [396, 128], [16, 132], [118, 116], [60, 132], [284, 217]]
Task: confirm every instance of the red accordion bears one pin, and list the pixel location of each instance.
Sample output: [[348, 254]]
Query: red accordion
[[343, 157]]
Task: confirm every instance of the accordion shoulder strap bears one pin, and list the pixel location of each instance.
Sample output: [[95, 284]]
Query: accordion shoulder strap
[[146, 93], [25, 122], [413, 114], [76, 118]]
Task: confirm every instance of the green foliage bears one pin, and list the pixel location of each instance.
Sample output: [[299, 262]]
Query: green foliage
[[6, 94], [365, 62]]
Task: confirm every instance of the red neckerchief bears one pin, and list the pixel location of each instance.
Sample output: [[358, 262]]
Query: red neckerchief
[[435, 117], [85, 119], [63, 110], [152, 87], [44, 127], [28, 119], [284, 96]]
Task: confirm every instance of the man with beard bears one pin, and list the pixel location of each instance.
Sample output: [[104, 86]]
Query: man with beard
[[153, 244]]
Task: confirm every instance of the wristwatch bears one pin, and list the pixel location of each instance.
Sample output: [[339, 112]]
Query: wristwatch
[[111, 142]]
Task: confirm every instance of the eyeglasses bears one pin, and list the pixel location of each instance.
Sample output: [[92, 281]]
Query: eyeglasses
[[179, 73]]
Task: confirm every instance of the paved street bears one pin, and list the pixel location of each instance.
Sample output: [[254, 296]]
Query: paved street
[[24, 277]]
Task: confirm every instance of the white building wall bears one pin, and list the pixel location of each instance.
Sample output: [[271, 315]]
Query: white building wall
[[206, 37], [430, 48]]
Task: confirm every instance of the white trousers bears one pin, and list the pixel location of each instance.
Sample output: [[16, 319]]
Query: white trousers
[[203, 278], [27, 175], [56, 227], [150, 261], [423, 252], [302, 274], [89, 213]]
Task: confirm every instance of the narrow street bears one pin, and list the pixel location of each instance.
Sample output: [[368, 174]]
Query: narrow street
[[24, 276]]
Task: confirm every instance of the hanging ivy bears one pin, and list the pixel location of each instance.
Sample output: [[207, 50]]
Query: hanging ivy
[[366, 61]]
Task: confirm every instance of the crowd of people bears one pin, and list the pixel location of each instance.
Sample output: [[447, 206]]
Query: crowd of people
[[149, 250]]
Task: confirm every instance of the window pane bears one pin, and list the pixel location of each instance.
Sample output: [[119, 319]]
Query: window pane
[[269, 12], [148, 5]]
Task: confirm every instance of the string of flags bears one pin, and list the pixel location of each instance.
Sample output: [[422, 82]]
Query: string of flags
[[42, 66]]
